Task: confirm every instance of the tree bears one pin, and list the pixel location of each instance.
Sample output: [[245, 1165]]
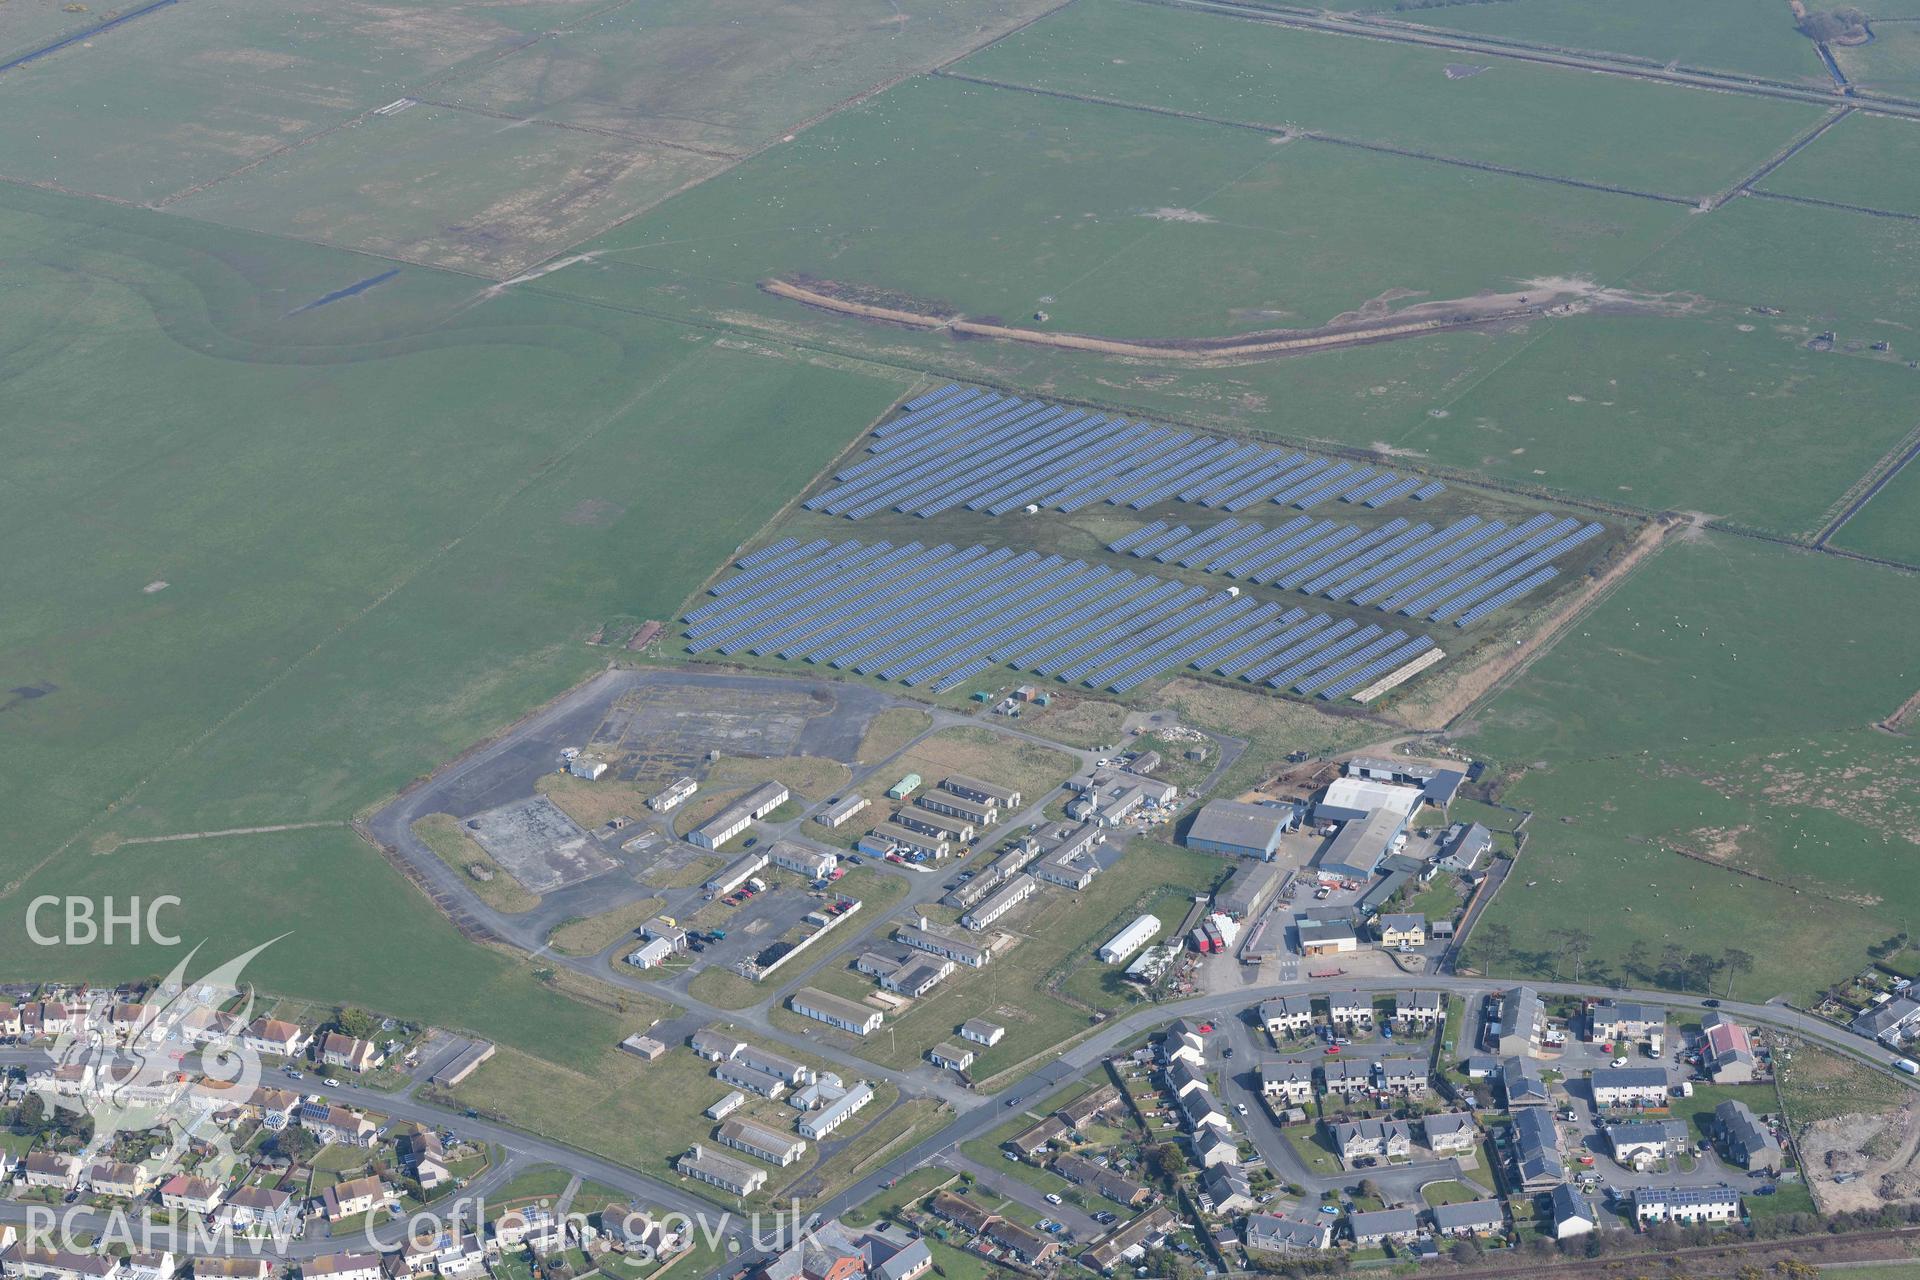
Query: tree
[[1634, 963], [1493, 943], [1736, 962]]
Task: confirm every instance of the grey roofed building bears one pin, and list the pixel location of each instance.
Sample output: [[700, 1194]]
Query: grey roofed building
[[1424, 1008], [1212, 1146], [1198, 1108], [1443, 786], [1248, 890], [1653, 1138], [1373, 1226], [1749, 1142], [1181, 1077], [1573, 1213], [1619, 1084], [1361, 844], [1726, 1051], [1612, 1018], [1466, 846], [1449, 1131], [1536, 1149], [1522, 1020], [1521, 1084], [981, 1031], [1471, 1216], [1387, 769], [1336, 934], [1227, 1188], [1889, 1020], [1277, 1233], [1236, 828]]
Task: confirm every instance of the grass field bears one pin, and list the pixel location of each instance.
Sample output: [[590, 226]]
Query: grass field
[[1864, 160], [1573, 124], [1589, 408], [891, 730], [594, 934], [1889, 63], [1697, 751], [1889, 525], [1055, 934], [442, 833], [378, 529], [1022, 198], [1751, 36]]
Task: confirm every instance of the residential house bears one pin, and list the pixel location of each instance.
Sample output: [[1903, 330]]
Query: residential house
[[337, 1050], [1115, 1187], [1212, 1147], [961, 1212], [1184, 1040], [980, 1031], [276, 1038], [1469, 1218], [344, 1266], [1291, 1081], [1032, 1141], [1748, 1140], [715, 1044], [758, 1140], [532, 1228], [1183, 1079], [37, 1263], [183, 1193], [331, 1124], [1287, 1017], [1349, 1078], [1406, 1077], [1689, 1205], [1521, 1083], [350, 1199], [1129, 1243], [1089, 1107], [999, 902], [1227, 1190], [1630, 1086], [1350, 1010], [951, 1056], [1288, 1234], [149, 1265], [1726, 1050], [124, 1181], [1466, 844], [1355, 1140], [239, 1267], [1624, 1020], [819, 1124], [1450, 1133], [1535, 1145], [1401, 929], [1378, 1226], [917, 978], [50, 1169], [1644, 1143], [1519, 1027], [262, 1209], [1197, 1109], [1024, 1243], [1419, 1010], [1890, 1021], [1573, 1214]]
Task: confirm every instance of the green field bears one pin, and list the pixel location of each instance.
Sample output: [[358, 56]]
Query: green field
[[1889, 525], [1702, 413], [1889, 63], [1021, 199], [1697, 754], [1566, 123], [1751, 36], [1864, 160]]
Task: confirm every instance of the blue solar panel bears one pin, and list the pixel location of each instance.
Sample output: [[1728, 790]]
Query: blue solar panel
[[1160, 489], [1152, 448], [1314, 497], [1260, 549], [929, 581], [1300, 470], [1257, 644], [1367, 488], [985, 468], [1313, 662], [1144, 628], [1339, 535], [1506, 597], [1314, 641], [1144, 532], [1318, 480], [971, 423], [741, 622], [1425, 491], [1264, 470], [939, 395], [1058, 632], [1347, 662], [1143, 549], [1392, 493], [1201, 632], [765, 553], [1305, 529], [1342, 554], [963, 581], [1452, 550], [793, 578], [1140, 478], [1236, 467], [1038, 595], [1083, 639], [757, 573], [1222, 549], [1349, 570], [1035, 478], [1193, 542], [1378, 668], [960, 677], [926, 626], [1401, 559]]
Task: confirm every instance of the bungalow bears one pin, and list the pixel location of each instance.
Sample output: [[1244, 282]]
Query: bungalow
[[925, 822], [1641, 1144], [1114, 1186], [1289, 1233], [156, 1265], [252, 1267], [1419, 1010], [1689, 1205], [791, 1070], [714, 1044], [917, 978], [343, 1266], [202, 1025], [1749, 1142], [1227, 1190], [183, 1193], [836, 1113], [815, 864], [1024, 1243], [465, 1256], [124, 1181], [1291, 1080], [1091, 1106], [1450, 1133], [1130, 1242], [1465, 845], [1031, 1141], [841, 810], [1287, 1017], [972, 954], [980, 1031], [628, 1228], [1890, 1021], [961, 1212], [716, 1170], [277, 1038], [352, 1198], [1630, 1086], [1377, 1226], [731, 1102], [999, 902], [1401, 930], [1573, 1213], [1469, 1218], [951, 1056], [650, 954], [981, 792], [1350, 1010], [1355, 1140], [956, 806], [1521, 1084], [758, 1140], [352, 1054]]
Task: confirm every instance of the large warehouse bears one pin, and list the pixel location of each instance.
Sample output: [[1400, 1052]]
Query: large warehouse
[[1237, 829]]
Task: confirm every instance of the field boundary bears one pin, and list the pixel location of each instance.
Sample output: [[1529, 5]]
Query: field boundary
[[1868, 486]]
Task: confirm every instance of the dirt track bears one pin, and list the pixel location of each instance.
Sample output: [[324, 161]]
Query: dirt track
[[1423, 318]]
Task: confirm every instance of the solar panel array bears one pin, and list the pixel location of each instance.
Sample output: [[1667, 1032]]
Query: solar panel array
[[938, 616], [963, 447], [1453, 574]]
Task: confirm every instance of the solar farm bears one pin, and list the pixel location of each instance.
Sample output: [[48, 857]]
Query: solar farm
[[1222, 600]]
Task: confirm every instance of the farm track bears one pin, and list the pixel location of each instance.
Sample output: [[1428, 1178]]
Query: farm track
[[1545, 55], [1293, 341], [1313, 135]]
